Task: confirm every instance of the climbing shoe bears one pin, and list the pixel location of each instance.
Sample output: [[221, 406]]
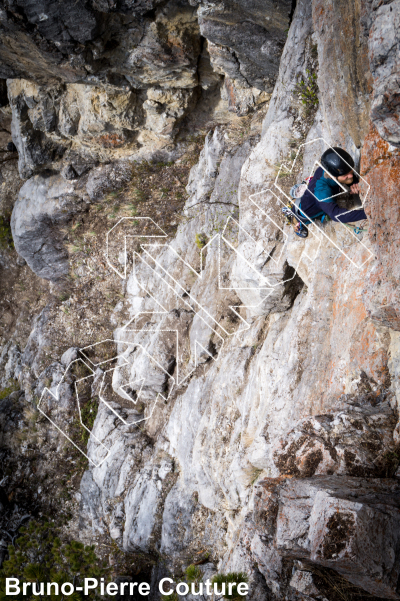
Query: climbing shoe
[[300, 230]]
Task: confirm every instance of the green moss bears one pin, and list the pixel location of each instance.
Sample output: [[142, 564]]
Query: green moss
[[307, 90], [314, 50], [41, 555], [88, 413], [162, 164], [193, 573], [6, 240], [232, 577], [5, 392], [201, 240]]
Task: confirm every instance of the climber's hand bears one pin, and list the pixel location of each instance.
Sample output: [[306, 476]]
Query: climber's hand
[[355, 189]]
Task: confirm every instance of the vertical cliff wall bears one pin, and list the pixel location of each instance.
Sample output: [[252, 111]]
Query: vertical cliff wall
[[241, 383]]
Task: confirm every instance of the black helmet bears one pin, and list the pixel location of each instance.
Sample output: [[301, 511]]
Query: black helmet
[[337, 161]]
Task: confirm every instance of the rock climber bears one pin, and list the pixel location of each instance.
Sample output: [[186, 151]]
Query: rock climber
[[319, 196]]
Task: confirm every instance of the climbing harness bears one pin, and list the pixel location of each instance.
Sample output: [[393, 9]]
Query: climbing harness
[[290, 213], [293, 213]]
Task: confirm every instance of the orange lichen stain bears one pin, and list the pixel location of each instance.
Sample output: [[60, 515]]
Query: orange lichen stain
[[354, 341], [318, 15], [111, 140], [366, 356], [348, 308], [231, 92], [375, 151]]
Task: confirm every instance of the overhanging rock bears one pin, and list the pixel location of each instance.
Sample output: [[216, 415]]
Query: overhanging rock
[[351, 525]]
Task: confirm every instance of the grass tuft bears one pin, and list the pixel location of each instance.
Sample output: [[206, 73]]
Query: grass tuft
[[307, 90]]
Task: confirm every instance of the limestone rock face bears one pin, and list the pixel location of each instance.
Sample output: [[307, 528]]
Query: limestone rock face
[[75, 42], [106, 79], [385, 64], [86, 124], [32, 126], [246, 38], [349, 524], [167, 53], [101, 39], [344, 77], [164, 109], [46, 203], [248, 406], [43, 205], [380, 164], [354, 442], [276, 398]]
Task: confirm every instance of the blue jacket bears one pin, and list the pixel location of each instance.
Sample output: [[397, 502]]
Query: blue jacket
[[322, 201]]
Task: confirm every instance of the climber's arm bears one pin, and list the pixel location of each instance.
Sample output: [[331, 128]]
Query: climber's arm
[[327, 188], [337, 213]]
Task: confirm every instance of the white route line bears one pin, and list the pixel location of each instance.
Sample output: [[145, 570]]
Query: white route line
[[57, 398], [318, 227], [257, 271], [163, 235], [183, 300], [313, 233], [189, 299]]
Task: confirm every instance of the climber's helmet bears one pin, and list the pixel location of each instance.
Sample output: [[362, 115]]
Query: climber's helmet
[[337, 162]]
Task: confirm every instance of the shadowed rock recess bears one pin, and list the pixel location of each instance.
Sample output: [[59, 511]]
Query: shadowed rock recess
[[231, 390]]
